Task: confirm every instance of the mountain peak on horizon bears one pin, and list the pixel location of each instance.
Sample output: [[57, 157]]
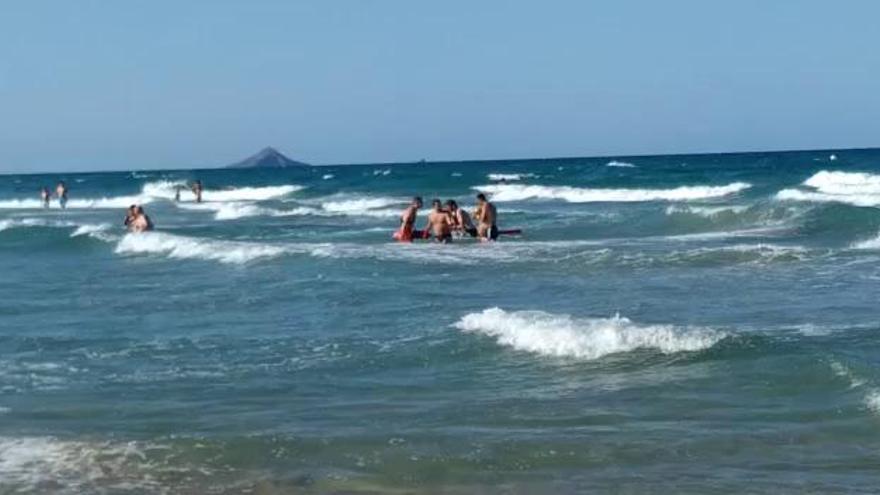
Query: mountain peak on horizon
[[267, 157]]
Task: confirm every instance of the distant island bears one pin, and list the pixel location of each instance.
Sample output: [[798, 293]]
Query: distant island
[[268, 158]]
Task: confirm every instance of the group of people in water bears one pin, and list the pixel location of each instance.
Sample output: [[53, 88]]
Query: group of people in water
[[444, 220], [447, 220], [60, 193]]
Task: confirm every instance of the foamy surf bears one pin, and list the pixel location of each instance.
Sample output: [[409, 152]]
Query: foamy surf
[[553, 335], [518, 192], [855, 188], [497, 177], [183, 247], [615, 163]]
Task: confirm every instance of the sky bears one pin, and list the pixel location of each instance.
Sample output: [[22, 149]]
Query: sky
[[135, 84]]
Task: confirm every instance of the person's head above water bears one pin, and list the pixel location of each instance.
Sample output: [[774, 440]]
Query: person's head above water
[[436, 204], [452, 205], [481, 198], [138, 209], [417, 201]]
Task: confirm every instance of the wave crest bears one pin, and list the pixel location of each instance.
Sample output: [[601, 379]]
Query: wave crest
[[583, 338], [518, 192]]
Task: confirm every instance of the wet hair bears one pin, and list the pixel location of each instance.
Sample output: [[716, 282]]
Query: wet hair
[[481, 197], [436, 202], [451, 203], [417, 199], [138, 209]]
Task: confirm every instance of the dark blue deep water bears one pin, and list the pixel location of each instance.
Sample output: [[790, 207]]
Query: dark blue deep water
[[671, 324]]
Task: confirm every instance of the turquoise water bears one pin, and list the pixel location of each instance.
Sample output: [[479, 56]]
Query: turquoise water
[[672, 324]]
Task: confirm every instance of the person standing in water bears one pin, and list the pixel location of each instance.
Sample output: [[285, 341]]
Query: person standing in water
[[408, 221], [439, 223], [487, 217], [45, 196], [461, 221], [197, 190], [141, 221], [61, 193]]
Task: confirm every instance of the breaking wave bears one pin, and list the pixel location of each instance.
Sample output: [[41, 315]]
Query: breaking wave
[[508, 177], [854, 188], [517, 192], [548, 334], [615, 163], [182, 247]]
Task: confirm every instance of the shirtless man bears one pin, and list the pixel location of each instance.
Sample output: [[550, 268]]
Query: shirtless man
[[486, 216], [439, 223], [408, 221], [45, 196], [197, 190], [461, 221], [61, 192], [141, 222]]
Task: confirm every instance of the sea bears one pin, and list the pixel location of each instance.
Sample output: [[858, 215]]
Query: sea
[[664, 324]]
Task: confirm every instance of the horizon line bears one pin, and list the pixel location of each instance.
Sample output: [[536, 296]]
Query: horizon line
[[479, 160]]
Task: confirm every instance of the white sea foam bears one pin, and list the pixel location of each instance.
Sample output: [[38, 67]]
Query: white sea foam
[[615, 163], [327, 176], [872, 401], [584, 338], [45, 464], [98, 231], [517, 192], [183, 247], [869, 244], [509, 177], [855, 188], [706, 211]]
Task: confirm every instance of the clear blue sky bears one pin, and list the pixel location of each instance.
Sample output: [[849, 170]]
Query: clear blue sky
[[92, 85]]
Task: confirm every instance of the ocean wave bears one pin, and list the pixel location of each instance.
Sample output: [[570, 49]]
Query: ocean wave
[[168, 189], [517, 192], [152, 191], [76, 203], [854, 188], [508, 177], [706, 211], [870, 244], [554, 335], [183, 247], [98, 231], [615, 163]]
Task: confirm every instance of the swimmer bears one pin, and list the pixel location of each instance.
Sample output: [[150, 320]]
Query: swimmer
[[61, 193], [487, 217], [439, 223], [177, 193], [197, 190], [461, 221], [45, 196], [408, 220]]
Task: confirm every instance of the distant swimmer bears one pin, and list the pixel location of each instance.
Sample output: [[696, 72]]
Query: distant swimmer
[[197, 190], [177, 193], [61, 193], [45, 196], [461, 221], [141, 221], [130, 215], [487, 216], [439, 223], [408, 221]]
